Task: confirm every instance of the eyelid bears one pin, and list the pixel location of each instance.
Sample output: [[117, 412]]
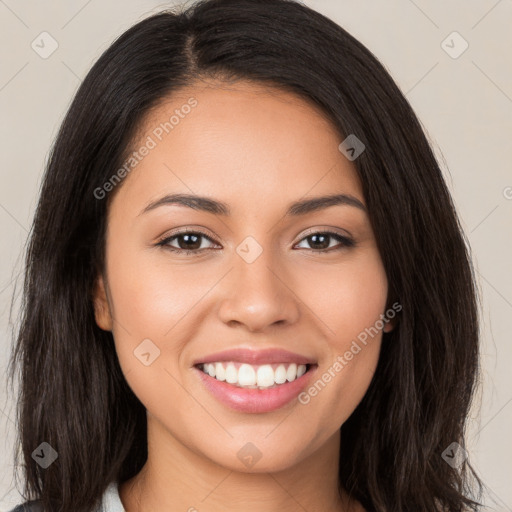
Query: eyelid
[[185, 231], [326, 229]]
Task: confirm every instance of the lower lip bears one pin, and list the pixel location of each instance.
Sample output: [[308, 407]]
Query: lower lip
[[255, 400]]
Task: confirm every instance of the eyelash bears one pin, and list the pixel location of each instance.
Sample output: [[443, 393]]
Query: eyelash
[[345, 241]]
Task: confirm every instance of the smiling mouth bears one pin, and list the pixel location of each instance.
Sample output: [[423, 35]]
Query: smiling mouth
[[264, 376]]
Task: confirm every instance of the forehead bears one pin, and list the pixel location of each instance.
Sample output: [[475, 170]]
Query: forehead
[[239, 142]]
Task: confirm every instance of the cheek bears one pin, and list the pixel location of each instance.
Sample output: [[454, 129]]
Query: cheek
[[349, 304], [347, 298], [148, 302], [151, 296], [152, 302]]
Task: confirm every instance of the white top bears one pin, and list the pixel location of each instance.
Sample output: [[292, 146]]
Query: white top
[[111, 502]]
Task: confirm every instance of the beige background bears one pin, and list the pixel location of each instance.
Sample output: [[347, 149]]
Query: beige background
[[464, 103]]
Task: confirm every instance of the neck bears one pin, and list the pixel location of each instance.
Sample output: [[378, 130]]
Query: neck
[[176, 478]]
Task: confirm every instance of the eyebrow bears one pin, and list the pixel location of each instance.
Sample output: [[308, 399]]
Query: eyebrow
[[297, 208]]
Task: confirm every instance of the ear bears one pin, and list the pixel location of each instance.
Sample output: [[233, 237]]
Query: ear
[[389, 326], [102, 311], [393, 319]]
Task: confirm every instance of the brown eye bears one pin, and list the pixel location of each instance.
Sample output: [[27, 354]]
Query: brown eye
[[321, 241], [187, 241]]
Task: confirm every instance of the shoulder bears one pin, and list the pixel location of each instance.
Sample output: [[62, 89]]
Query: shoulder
[[29, 506]]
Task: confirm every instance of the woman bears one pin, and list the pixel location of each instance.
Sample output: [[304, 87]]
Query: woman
[[247, 287]]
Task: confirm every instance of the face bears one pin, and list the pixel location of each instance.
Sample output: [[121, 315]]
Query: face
[[244, 271]]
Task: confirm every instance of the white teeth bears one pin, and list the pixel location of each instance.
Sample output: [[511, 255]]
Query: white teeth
[[220, 373], [265, 376], [231, 374], [249, 376], [246, 375], [280, 374], [291, 373]]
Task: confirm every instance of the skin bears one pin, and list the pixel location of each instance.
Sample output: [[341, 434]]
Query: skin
[[258, 150]]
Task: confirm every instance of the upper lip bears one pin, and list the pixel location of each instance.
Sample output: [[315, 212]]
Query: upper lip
[[255, 357]]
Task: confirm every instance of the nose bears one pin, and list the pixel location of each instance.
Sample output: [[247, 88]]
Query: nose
[[258, 295]]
